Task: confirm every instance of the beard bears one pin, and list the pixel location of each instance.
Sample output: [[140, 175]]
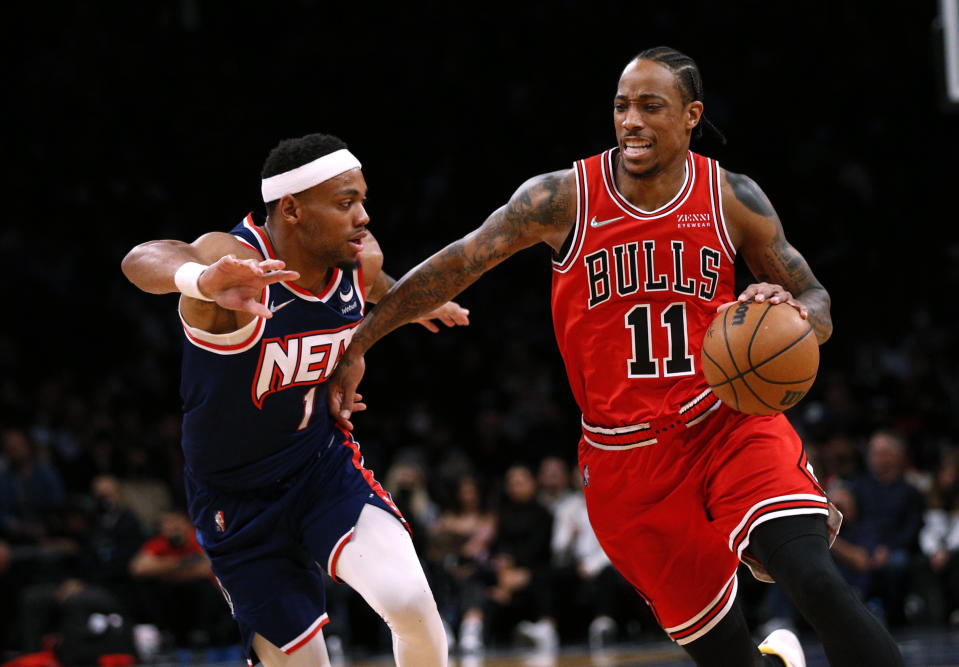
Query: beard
[[348, 264], [647, 172]]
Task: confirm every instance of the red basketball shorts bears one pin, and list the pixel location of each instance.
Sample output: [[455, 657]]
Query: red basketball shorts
[[675, 516]]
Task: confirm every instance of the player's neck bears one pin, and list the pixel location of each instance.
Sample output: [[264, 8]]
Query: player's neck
[[313, 276], [652, 190]]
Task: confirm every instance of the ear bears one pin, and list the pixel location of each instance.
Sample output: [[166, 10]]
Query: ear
[[694, 111], [288, 208]]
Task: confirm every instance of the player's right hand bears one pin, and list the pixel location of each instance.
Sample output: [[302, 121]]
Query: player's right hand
[[341, 389], [236, 284]]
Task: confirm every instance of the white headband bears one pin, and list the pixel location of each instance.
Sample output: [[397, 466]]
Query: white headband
[[306, 176]]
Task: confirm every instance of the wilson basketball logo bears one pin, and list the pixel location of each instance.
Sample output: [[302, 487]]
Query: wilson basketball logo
[[739, 316], [791, 397]]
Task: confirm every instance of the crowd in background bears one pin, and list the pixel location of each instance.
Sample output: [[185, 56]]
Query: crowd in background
[[143, 121], [92, 523]]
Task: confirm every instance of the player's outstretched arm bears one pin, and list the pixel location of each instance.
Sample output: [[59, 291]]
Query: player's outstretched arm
[[378, 283], [542, 209], [214, 268], [782, 273]]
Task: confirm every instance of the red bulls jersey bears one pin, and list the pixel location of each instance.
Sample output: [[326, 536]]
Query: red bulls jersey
[[632, 298]]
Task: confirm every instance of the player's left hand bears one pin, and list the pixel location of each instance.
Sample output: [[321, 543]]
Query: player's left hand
[[450, 314], [771, 292], [343, 383]]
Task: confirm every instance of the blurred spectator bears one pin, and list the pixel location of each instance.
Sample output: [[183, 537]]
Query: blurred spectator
[[406, 483], [31, 500], [850, 548], [143, 488], [459, 548], [553, 480], [85, 611], [177, 590], [840, 459], [939, 537], [30, 490], [889, 516], [522, 597], [79, 620], [114, 537]]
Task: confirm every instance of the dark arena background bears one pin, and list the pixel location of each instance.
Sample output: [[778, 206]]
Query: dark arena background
[[135, 121]]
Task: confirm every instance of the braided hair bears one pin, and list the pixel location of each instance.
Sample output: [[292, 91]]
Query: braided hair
[[690, 83]]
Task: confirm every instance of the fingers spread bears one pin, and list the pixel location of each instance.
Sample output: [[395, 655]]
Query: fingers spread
[[279, 276]]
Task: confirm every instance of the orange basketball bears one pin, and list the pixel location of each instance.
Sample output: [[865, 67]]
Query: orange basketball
[[760, 358]]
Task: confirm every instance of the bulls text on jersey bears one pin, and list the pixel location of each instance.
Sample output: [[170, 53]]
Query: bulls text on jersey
[[617, 270]]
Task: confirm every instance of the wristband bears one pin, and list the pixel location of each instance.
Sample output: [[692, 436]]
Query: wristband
[[187, 280]]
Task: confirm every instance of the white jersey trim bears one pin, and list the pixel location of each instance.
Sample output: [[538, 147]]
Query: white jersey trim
[[734, 582], [685, 190], [337, 548], [641, 443], [564, 264], [233, 342], [294, 643], [358, 287], [716, 200], [617, 430], [297, 291], [773, 515], [261, 245]]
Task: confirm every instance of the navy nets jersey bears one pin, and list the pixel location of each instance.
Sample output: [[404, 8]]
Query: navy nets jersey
[[254, 404]]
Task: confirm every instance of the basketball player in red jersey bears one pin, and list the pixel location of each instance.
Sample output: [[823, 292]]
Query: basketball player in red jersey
[[679, 487]]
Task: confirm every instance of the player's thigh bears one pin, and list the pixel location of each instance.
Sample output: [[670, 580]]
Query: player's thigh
[[648, 512], [759, 472], [381, 563], [311, 654]]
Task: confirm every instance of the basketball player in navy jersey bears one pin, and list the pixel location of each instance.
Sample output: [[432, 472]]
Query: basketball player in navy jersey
[[679, 487], [276, 489]]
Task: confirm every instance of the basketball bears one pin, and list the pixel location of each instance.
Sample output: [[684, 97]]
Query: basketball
[[760, 358]]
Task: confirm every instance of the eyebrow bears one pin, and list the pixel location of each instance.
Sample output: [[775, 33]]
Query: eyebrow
[[346, 191], [641, 96]]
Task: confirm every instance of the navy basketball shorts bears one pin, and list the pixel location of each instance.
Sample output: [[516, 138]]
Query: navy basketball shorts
[[267, 547]]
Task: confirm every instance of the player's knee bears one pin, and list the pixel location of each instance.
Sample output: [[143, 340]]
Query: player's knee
[[411, 611], [806, 571], [816, 582]]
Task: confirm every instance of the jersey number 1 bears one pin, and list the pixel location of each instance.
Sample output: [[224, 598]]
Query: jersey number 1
[[308, 399], [643, 364]]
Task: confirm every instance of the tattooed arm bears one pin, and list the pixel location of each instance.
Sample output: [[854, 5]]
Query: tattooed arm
[[542, 209], [782, 272]]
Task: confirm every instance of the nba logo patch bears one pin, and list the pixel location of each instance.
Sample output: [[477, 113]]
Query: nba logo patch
[[220, 521], [586, 475]]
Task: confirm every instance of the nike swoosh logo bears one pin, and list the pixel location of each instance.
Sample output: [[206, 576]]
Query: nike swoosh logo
[[349, 295], [274, 307], [599, 223]]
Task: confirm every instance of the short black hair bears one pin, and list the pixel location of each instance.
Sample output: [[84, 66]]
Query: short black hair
[[690, 82], [292, 153]]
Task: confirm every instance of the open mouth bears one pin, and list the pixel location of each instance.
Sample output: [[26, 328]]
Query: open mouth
[[635, 147]]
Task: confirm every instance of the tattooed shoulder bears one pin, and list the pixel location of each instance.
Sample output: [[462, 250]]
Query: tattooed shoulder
[[548, 200], [750, 194]]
